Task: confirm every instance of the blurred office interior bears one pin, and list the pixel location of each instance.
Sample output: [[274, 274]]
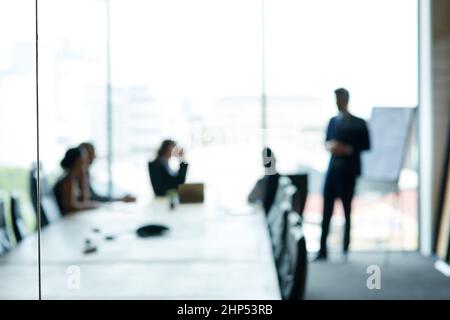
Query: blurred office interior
[[224, 79]]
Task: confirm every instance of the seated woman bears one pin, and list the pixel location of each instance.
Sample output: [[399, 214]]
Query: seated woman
[[162, 177], [70, 195]]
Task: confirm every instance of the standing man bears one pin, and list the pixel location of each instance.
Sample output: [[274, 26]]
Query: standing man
[[347, 136]]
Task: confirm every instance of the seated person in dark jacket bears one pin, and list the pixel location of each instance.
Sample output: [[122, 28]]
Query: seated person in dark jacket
[[265, 188], [86, 178], [162, 177]]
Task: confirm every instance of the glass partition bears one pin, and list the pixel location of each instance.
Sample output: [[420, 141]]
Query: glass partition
[[18, 219], [122, 76]]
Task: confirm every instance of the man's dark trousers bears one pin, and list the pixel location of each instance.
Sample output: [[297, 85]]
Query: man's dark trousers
[[338, 185]]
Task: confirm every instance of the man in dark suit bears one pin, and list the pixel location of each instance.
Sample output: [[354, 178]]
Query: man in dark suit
[[347, 136], [162, 177]]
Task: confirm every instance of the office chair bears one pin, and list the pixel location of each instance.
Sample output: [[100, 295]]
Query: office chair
[[300, 181], [18, 225], [49, 207], [151, 171], [5, 244], [277, 216], [292, 269]]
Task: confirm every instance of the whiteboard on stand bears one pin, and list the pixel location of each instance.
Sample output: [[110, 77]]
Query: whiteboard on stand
[[390, 131]]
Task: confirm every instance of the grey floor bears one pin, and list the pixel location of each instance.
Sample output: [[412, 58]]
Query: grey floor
[[404, 275]]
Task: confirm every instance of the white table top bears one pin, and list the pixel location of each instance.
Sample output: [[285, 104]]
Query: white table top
[[207, 254]]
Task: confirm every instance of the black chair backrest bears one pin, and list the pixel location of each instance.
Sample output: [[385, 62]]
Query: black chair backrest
[[292, 269], [151, 170], [19, 228], [34, 193], [300, 181], [5, 243], [2, 213], [49, 207]]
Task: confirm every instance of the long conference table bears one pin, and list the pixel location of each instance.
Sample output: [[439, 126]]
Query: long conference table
[[208, 253]]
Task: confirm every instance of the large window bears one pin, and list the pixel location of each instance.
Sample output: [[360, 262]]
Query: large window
[[191, 71], [72, 60], [194, 71], [369, 47]]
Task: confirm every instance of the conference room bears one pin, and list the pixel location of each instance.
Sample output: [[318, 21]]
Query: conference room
[[188, 149]]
